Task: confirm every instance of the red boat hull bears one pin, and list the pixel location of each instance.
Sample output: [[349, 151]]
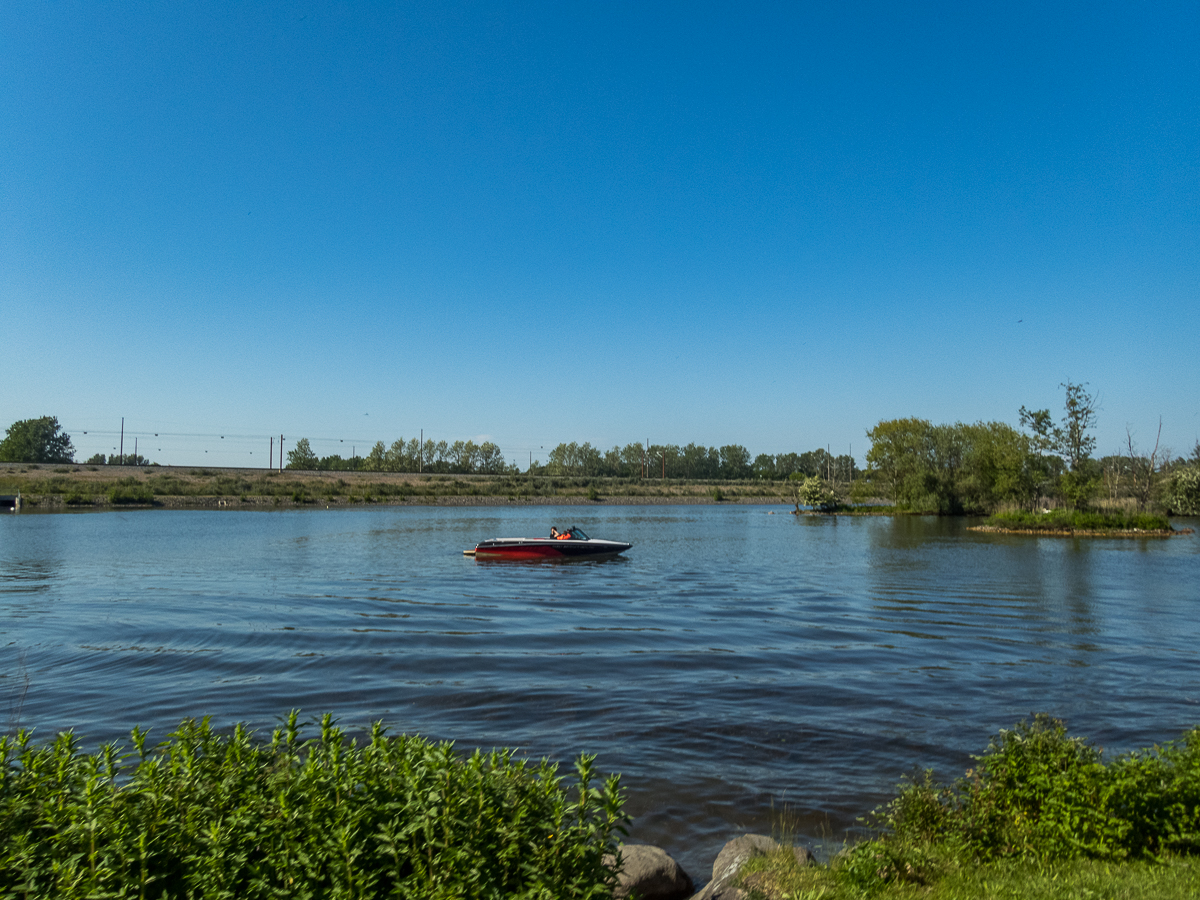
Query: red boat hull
[[538, 549]]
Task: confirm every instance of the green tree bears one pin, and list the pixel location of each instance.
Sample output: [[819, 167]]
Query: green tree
[[491, 459], [901, 460], [700, 462], [129, 459], [1072, 441], [950, 468], [398, 458], [763, 466], [735, 461], [632, 457], [575, 459], [376, 460], [301, 456], [664, 460], [464, 457], [37, 441], [1182, 494], [999, 467]]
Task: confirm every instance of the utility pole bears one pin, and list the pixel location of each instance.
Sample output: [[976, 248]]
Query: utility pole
[[421, 453], [135, 453], [122, 440], [281, 453], [271, 455]]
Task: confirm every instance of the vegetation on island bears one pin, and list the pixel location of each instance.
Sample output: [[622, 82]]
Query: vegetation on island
[[1040, 814], [211, 815], [1076, 520], [992, 467]]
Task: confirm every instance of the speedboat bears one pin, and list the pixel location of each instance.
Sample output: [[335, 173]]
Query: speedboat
[[573, 544]]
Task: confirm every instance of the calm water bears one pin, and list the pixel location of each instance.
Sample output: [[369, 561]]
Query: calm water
[[731, 660]]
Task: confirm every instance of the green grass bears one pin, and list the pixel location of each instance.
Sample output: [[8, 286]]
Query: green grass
[[199, 486], [1041, 814], [206, 815], [1078, 520], [777, 877]]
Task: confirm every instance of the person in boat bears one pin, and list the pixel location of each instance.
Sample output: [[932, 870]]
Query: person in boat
[[553, 531], [565, 536]]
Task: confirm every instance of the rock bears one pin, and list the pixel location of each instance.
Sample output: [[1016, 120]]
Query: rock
[[651, 873], [804, 857], [733, 856]]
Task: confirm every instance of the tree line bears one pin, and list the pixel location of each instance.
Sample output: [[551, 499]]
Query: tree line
[[919, 466], [582, 460], [413, 455], [981, 467], [693, 462]]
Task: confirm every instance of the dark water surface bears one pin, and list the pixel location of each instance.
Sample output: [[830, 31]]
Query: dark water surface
[[731, 660]]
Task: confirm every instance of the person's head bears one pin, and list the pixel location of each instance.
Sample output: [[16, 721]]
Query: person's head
[[553, 529]]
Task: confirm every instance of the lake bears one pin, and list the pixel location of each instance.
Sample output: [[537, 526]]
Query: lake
[[739, 665]]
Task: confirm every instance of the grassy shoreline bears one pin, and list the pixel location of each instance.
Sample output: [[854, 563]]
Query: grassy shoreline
[[230, 813], [1070, 523], [1041, 813], [79, 487], [60, 487]]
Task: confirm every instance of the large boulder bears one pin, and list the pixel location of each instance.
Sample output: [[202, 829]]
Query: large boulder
[[651, 873], [733, 856]]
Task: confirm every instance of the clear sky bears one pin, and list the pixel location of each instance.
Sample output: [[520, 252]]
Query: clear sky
[[771, 224]]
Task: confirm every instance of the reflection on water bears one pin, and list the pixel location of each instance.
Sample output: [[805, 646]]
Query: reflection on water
[[730, 659]]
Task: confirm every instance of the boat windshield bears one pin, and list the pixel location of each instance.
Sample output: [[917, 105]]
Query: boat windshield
[[577, 534]]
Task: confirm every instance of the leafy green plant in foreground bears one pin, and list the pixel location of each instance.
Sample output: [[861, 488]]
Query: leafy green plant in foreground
[[205, 815], [1037, 795]]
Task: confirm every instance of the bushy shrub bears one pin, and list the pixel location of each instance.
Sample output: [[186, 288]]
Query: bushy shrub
[[1037, 794], [205, 815], [1182, 493], [816, 493], [130, 493]]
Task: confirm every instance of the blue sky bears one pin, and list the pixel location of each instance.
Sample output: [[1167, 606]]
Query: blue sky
[[767, 224]]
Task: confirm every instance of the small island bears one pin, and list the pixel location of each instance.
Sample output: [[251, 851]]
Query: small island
[[1081, 523]]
